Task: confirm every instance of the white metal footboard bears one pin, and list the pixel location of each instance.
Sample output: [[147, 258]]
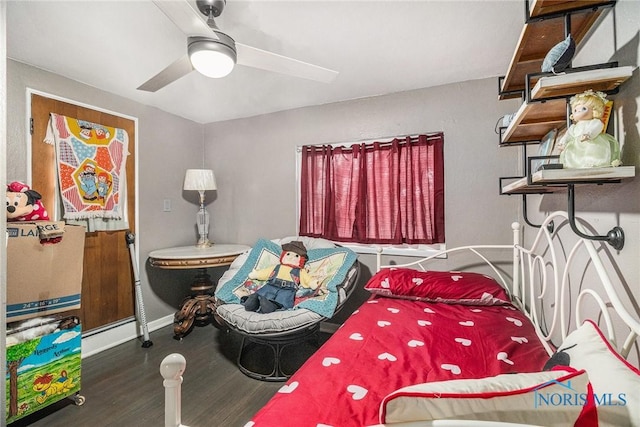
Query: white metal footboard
[[552, 279]]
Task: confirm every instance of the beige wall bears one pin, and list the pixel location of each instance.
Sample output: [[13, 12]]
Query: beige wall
[[254, 159]]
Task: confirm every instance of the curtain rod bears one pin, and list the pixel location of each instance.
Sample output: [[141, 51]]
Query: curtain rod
[[430, 135]]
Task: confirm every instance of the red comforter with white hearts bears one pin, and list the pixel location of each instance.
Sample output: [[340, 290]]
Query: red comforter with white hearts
[[392, 343]]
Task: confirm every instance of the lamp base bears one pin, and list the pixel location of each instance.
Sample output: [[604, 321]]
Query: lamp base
[[204, 243]]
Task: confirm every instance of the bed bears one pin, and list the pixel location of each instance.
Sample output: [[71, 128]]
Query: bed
[[503, 345]]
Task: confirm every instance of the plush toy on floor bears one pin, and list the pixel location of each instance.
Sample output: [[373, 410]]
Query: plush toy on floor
[[586, 144], [23, 203], [282, 281]]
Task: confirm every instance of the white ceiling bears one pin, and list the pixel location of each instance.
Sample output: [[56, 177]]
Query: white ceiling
[[378, 47]]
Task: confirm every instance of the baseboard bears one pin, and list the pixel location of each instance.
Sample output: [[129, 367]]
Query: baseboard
[[101, 341]]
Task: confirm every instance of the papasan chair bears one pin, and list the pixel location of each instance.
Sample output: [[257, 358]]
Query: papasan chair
[[335, 267]]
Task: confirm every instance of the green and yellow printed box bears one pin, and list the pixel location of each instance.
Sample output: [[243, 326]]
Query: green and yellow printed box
[[42, 370]]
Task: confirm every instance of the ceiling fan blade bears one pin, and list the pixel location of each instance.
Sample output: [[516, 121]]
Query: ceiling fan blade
[[264, 60], [173, 72], [186, 17]]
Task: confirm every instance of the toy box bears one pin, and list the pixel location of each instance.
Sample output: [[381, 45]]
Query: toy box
[[42, 369], [44, 275]]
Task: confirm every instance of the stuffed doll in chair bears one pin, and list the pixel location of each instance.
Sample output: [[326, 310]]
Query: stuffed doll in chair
[[282, 281], [23, 204], [586, 145]]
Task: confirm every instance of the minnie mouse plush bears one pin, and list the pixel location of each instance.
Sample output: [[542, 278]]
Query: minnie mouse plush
[[23, 203]]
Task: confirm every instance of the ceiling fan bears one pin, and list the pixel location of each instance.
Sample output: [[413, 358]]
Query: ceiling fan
[[207, 45]]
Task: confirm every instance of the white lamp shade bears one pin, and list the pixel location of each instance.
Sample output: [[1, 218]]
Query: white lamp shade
[[199, 180]]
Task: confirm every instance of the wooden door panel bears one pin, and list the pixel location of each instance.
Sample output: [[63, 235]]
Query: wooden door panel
[[107, 284]]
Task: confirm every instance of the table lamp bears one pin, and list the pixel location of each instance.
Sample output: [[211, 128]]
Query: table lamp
[[201, 180]]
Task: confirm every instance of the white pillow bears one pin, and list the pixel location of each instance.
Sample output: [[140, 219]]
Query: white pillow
[[616, 383], [531, 398]]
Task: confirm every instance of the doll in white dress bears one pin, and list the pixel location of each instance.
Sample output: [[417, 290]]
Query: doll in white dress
[[585, 144]]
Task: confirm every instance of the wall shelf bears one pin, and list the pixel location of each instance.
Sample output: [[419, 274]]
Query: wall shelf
[[545, 8], [539, 36], [535, 118], [545, 102], [553, 180], [562, 85]]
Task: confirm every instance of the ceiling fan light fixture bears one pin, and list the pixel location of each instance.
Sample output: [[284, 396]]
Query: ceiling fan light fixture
[[213, 58]]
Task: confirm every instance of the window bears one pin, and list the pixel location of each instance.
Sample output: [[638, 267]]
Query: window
[[379, 193]]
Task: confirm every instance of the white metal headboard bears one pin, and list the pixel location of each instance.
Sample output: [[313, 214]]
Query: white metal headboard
[[551, 279]]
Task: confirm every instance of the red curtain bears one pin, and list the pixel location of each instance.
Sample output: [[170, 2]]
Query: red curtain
[[382, 192]]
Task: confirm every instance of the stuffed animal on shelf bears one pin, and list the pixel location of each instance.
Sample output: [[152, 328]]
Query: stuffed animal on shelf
[[23, 203], [585, 144], [282, 281]]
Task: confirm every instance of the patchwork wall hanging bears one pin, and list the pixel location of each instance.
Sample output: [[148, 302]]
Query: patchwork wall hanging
[[91, 160]]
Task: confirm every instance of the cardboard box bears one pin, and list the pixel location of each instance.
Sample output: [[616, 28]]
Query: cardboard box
[[43, 367], [43, 278]]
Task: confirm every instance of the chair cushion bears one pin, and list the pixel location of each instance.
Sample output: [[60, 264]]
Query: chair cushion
[[283, 321], [309, 243], [328, 266], [258, 323]]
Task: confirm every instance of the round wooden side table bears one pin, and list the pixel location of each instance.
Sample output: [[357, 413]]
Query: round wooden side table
[[199, 307]]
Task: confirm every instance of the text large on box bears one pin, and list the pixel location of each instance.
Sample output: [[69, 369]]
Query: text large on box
[[43, 278]]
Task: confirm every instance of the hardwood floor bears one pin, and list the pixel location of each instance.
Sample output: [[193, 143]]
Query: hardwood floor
[[123, 386]]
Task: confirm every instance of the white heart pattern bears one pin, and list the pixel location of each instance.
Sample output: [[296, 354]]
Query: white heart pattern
[[464, 341], [387, 356], [428, 310], [415, 343], [328, 361], [504, 357], [424, 322], [383, 323], [356, 336], [455, 369], [288, 388], [516, 322], [417, 281], [249, 424], [357, 391], [520, 340], [385, 283], [476, 310], [467, 323], [456, 278], [393, 310]]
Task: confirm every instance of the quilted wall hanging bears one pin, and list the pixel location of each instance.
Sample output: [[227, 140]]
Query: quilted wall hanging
[[91, 160]]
